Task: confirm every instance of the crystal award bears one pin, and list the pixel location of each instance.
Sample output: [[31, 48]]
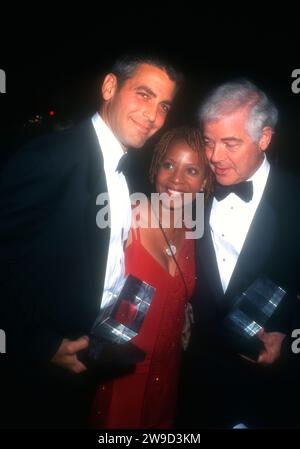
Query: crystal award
[[250, 313], [110, 346]]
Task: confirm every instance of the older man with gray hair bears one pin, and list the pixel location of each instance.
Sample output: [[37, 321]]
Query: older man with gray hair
[[251, 236]]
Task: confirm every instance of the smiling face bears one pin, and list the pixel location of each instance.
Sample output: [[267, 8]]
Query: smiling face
[[233, 155], [180, 172], [137, 109]]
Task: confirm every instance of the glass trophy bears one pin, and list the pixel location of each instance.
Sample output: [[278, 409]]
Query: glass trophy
[[110, 346], [250, 313]]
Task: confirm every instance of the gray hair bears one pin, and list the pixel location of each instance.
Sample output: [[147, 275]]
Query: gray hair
[[233, 95]]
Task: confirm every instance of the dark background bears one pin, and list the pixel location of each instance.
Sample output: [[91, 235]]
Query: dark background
[[55, 61]]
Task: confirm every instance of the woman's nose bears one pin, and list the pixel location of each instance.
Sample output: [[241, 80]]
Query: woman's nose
[[177, 176]]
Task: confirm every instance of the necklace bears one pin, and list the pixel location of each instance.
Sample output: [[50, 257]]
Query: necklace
[[171, 249]]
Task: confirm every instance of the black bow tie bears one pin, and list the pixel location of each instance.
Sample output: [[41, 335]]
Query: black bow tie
[[243, 189], [123, 164]]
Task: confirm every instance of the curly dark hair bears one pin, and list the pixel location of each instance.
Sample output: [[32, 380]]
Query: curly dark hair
[[192, 136]]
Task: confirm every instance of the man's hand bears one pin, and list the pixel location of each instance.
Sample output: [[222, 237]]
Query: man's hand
[[273, 342], [65, 356]]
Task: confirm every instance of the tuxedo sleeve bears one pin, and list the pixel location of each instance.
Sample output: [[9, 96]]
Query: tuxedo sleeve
[[30, 187], [287, 260]]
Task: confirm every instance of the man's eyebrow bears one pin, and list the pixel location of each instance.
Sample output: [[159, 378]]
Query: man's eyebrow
[[152, 94], [225, 139], [236, 139], [146, 89]]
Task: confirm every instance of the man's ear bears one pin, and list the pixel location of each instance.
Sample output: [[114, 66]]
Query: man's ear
[[265, 138], [109, 86]]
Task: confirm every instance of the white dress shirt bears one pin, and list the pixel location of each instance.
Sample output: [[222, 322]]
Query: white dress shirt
[[120, 210], [230, 220]]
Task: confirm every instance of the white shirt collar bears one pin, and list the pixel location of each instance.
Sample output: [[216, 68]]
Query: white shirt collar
[[111, 148], [259, 178], [230, 221]]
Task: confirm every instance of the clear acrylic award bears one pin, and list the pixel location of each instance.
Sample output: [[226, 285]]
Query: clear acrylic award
[[249, 315], [110, 344]]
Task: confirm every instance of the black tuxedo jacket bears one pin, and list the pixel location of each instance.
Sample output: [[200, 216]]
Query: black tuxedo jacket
[[212, 370], [271, 248], [52, 254]]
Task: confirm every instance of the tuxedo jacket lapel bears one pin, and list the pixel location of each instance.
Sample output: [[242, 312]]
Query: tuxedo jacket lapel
[[255, 251], [256, 248], [97, 239], [206, 260]]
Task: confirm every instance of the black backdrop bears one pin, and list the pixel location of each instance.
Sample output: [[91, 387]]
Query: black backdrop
[[54, 62]]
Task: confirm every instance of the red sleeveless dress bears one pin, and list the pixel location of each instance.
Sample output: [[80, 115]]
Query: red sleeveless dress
[[146, 398]]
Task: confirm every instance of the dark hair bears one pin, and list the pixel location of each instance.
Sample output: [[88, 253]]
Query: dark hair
[[125, 66], [192, 136]]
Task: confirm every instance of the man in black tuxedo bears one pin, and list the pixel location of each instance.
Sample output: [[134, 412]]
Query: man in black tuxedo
[[59, 262], [251, 230]]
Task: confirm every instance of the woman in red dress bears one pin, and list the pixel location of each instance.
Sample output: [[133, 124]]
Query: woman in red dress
[[164, 258]]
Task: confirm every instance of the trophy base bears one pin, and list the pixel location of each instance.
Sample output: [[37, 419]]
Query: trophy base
[[249, 347], [107, 360]]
